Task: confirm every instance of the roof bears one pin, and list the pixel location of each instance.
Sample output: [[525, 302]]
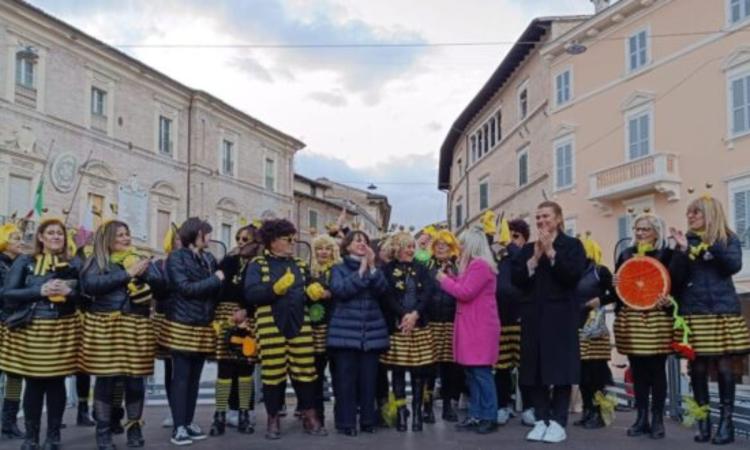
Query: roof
[[513, 59], [76, 34], [316, 183]]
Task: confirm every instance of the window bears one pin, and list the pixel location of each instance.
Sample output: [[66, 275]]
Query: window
[[226, 235], [165, 136], [460, 167], [473, 149], [479, 144], [562, 88], [638, 50], [163, 222], [25, 65], [639, 135], [740, 104], [312, 219], [739, 216], [492, 132], [459, 215], [523, 103], [98, 102], [523, 167], [739, 10], [484, 194], [564, 165], [270, 181], [19, 195], [499, 122], [227, 157], [486, 138]]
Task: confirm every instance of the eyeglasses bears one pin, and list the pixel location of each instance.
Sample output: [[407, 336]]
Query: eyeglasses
[[290, 239], [643, 229]]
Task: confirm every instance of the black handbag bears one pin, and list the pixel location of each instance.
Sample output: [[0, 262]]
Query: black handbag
[[21, 318]]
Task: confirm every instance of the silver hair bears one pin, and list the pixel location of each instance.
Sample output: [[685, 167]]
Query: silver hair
[[657, 223], [474, 245]]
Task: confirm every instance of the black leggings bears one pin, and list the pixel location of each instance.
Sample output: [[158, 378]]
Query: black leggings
[[321, 361], [83, 387], [186, 377], [504, 387], [699, 368], [168, 377], [551, 404], [104, 389], [452, 380], [649, 380], [33, 401]]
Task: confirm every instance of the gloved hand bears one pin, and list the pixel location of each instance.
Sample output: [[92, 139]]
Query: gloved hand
[[284, 283], [315, 291]]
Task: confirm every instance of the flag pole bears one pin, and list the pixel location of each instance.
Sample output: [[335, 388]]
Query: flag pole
[[78, 185]]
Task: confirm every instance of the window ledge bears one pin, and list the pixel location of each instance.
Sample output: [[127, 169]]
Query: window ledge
[[561, 190], [732, 139]]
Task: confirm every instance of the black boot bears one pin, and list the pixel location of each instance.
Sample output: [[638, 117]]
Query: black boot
[[219, 424], [10, 428], [585, 417], [402, 416], [135, 435], [115, 426], [104, 438], [243, 423], [641, 426], [31, 440], [704, 430], [700, 394], [725, 430], [595, 420], [52, 442], [429, 412], [657, 422], [417, 396], [83, 419], [449, 414]]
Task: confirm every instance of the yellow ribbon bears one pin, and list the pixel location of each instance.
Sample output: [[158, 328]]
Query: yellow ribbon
[[606, 405], [679, 322], [644, 248], [694, 412], [130, 423], [390, 409], [696, 250]]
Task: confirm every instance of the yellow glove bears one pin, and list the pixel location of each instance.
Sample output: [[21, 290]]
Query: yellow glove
[[315, 291], [504, 234], [284, 283]]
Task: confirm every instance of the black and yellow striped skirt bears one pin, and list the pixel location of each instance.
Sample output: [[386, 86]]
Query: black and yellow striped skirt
[[281, 356], [643, 333], [410, 350], [178, 337], [442, 340], [116, 344], [509, 352], [595, 349], [715, 335], [157, 321], [44, 348], [320, 334]]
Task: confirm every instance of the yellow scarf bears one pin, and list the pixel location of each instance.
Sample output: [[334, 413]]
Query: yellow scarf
[[643, 248], [140, 292], [48, 263]]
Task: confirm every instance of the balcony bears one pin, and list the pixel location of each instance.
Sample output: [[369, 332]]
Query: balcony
[[653, 173]]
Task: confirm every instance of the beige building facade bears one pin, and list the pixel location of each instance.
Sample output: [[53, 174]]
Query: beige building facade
[[102, 128]]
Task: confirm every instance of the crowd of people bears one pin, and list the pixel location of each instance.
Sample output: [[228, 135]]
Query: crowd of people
[[490, 314]]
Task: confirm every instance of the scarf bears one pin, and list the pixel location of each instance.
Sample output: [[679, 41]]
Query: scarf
[[139, 291]]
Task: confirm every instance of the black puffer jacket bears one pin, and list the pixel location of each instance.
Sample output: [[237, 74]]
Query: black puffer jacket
[[23, 287], [704, 285], [108, 288], [509, 296], [596, 282], [161, 290], [399, 303], [441, 306], [193, 287]]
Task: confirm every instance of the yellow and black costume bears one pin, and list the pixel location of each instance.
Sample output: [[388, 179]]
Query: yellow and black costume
[[43, 349], [320, 315]]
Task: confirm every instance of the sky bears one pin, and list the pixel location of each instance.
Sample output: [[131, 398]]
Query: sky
[[370, 113]]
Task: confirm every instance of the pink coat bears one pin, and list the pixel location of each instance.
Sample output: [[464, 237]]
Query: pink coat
[[477, 325]]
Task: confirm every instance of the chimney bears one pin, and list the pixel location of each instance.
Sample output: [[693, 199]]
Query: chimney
[[600, 5]]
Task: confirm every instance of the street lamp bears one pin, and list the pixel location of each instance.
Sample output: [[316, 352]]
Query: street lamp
[[574, 48]]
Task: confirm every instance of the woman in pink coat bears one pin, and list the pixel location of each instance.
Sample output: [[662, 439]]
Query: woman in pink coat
[[475, 343]]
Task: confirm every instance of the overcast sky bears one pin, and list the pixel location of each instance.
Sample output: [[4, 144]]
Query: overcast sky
[[372, 114]]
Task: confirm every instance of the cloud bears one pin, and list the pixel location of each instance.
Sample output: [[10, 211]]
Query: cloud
[[408, 181], [253, 68], [433, 126], [335, 100]]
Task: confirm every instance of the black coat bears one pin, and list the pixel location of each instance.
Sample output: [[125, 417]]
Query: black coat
[[161, 290], [357, 321], [22, 287], [108, 288], [193, 287], [396, 303], [289, 309], [550, 313], [509, 297], [704, 285], [5, 263], [441, 307]]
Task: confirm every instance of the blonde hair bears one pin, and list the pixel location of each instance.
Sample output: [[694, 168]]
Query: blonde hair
[[658, 225], [399, 241], [715, 221], [474, 246], [322, 241]]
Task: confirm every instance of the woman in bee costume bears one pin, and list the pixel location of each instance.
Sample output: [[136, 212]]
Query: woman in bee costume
[[118, 336], [411, 338], [11, 247], [278, 285], [41, 343], [232, 320]]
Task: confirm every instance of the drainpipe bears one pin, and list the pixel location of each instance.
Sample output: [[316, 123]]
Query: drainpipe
[[189, 149]]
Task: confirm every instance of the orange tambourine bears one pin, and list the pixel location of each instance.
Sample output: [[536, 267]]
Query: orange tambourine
[[642, 281]]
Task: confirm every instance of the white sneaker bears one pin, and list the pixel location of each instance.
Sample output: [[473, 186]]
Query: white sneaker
[[181, 437], [538, 432], [528, 418], [503, 416], [167, 422], [233, 418], [555, 433]]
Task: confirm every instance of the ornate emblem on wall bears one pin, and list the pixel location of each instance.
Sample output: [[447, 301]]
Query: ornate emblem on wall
[[63, 172]]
